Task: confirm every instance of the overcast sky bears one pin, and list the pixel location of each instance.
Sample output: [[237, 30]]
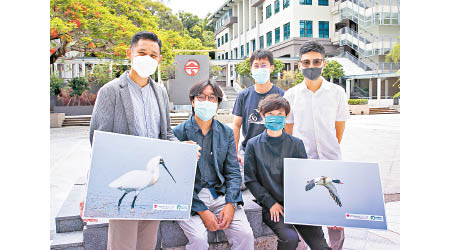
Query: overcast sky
[[197, 7]]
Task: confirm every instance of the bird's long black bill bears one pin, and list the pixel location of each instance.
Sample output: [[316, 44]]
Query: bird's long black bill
[[164, 165]]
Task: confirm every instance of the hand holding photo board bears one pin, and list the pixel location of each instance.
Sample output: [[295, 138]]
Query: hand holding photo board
[[333, 193], [141, 178]]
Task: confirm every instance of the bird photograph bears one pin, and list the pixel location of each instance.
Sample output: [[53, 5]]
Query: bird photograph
[[138, 180], [326, 182]]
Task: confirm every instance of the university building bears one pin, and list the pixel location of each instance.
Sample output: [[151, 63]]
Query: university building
[[357, 33]]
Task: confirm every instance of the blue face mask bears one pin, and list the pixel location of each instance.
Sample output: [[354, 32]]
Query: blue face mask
[[205, 110], [275, 122], [261, 75]]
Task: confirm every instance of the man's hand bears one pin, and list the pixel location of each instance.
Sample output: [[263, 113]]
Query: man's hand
[[275, 212], [226, 216], [335, 227], [194, 143], [209, 220]]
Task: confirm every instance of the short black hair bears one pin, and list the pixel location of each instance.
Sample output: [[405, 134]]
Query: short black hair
[[311, 46], [198, 88], [147, 36], [273, 102], [261, 54]]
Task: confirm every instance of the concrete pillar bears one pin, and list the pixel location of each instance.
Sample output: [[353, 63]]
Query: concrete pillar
[[352, 85], [228, 74], [239, 27], [347, 88], [378, 90], [370, 88], [83, 69], [257, 17], [386, 88]]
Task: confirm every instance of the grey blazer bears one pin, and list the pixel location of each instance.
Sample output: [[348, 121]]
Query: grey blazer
[[113, 110]]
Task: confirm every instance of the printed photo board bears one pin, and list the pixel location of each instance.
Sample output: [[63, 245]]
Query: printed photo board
[[139, 178], [333, 193]]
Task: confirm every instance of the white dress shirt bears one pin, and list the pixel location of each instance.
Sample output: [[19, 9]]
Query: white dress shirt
[[314, 116]]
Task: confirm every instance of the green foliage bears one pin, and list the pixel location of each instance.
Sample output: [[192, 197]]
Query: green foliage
[[78, 86], [333, 70], [299, 77], [394, 55], [100, 75], [56, 84], [167, 20], [357, 101], [243, 68], [214, 70]]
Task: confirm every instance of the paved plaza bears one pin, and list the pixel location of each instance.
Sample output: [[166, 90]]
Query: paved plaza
[[368, 138]]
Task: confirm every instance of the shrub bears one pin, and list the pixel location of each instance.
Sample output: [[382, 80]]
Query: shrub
[[56, 84], [357, 101], [243, 68]]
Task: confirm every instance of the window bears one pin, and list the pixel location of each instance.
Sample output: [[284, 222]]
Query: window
[[226, 37], [287, 31], [242, 51], [305, 28], [261, 42], [226, 55], [323, 2], [276, 6], [306, 2], [268, 11], [247, 49], [269, 38], [277, 35], [323, 29], [221, 41], [285, 4], [236, 53], [253, 45]]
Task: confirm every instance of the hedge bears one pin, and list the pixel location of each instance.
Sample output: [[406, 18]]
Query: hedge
[[357, 101]]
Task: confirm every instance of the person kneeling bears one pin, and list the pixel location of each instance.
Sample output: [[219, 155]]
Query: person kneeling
[[217, 198], [263, 170]]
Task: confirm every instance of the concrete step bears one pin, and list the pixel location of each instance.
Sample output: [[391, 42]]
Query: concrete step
[[67, 241], [68, 218]]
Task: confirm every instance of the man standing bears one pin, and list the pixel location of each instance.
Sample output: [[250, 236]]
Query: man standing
[[245, 109], [318, 115], [216, 199], [134, 104]]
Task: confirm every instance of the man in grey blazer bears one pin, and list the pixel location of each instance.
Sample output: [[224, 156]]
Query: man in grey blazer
[[134, 104]]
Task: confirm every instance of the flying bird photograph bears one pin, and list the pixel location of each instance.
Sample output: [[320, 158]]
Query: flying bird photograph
[[134, 177], [328, 184], [333, 193]]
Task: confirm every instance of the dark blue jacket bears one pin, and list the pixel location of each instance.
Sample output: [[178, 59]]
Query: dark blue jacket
[[225, 162]]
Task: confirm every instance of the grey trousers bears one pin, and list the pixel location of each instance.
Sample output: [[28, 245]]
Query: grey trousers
[[239, 233], [132, 234]]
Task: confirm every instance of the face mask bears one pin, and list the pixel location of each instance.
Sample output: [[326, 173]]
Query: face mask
[[261, 75], [275, 122], [144, 65], [205, 110], [312, 73]]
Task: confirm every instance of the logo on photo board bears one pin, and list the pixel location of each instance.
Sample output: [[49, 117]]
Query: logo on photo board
[[191, 68]]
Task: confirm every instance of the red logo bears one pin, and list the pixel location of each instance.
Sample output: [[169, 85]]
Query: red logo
[[192, 68]]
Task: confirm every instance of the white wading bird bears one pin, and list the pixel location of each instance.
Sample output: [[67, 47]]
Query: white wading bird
[[328, 183], [138, 180]]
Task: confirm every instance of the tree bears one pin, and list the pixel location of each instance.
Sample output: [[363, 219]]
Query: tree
[[78, 86], [394, 56], [333, 70], [243, 68], [167, 20]]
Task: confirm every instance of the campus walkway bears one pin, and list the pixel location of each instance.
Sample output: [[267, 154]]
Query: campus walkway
[[374, 138]]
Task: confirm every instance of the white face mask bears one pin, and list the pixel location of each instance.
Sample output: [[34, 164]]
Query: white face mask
[[144, 65]]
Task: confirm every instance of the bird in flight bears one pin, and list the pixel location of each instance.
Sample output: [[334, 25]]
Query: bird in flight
[[138, 180], [328, 183]]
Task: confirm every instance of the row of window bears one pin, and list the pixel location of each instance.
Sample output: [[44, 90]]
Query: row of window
[[286, 4], [306, 27], [222, 40]]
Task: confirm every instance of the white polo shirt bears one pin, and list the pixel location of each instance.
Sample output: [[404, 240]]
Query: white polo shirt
[[314, 116]]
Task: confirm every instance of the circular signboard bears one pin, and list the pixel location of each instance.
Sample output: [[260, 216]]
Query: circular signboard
[[191, 68]]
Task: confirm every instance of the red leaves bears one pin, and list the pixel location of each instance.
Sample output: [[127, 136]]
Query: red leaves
[[76, 21], [53, 33], [97, 15], [91, 45], [52, 51]]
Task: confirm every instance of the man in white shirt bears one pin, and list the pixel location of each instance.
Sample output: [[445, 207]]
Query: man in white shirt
[[319, 110]]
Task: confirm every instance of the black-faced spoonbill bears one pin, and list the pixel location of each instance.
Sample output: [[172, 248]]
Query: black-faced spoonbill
[[328, 183], [138, 180]]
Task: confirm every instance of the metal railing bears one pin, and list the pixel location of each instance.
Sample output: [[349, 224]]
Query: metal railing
[[355, 60]]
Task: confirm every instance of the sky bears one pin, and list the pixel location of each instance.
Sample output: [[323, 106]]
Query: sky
[[197, 7]]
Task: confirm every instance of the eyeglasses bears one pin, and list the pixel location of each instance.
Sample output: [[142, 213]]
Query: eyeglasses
[[263, 66], [315, 62], [211, 98]]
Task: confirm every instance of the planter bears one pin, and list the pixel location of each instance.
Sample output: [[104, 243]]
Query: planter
[[74, 110], [359, 109], [56, 120]]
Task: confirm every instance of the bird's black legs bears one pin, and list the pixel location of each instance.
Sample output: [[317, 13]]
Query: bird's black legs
[[120, 201], [132, 204]]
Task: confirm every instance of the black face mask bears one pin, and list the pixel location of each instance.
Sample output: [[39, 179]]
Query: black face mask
[[312, 73]]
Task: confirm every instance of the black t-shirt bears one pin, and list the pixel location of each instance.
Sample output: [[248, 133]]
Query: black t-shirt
[[246, 106]]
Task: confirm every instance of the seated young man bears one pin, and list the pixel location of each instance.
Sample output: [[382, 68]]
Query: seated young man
[[263, 168], [217, 196]]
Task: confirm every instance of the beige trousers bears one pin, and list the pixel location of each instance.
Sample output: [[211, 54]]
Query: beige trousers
[[132, 234]]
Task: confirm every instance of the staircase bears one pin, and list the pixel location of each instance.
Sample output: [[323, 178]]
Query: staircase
[[230, 96], [383, 110], [178, 118], [78, 120]]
